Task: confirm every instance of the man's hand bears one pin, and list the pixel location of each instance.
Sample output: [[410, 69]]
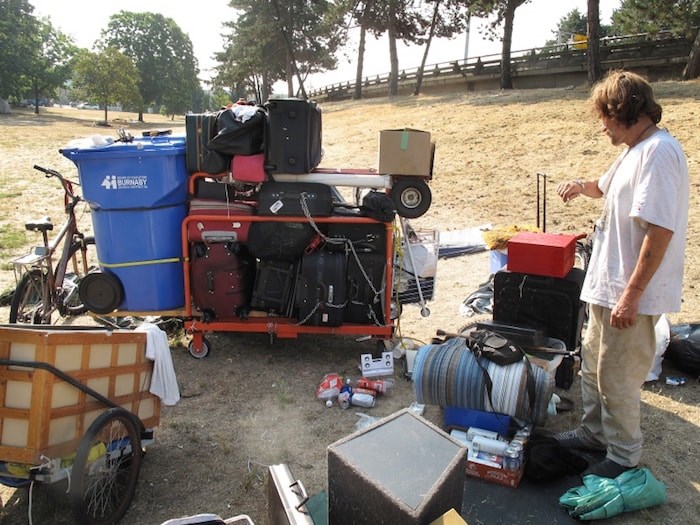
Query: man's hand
[[570, 189]]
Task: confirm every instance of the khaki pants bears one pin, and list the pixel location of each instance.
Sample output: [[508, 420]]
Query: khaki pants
[[614, 365]]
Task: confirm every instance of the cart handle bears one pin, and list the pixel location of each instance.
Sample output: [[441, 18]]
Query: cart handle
[[62, 375]]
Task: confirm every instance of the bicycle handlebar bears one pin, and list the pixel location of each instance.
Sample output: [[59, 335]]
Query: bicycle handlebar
[[65, 183]]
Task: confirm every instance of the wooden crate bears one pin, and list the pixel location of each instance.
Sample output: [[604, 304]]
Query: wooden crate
[[43, 415]]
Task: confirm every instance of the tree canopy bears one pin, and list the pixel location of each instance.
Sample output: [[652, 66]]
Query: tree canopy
[[680, 17], [162, 54], [270, 40], [107, 77]]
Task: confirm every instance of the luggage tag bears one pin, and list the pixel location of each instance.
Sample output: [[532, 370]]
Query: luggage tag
[[314, 245], [276, 206]]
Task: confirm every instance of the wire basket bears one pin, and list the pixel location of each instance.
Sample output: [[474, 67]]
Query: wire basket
[[424, 256]]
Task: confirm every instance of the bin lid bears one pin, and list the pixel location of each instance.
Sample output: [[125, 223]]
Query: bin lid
[[98, 148]]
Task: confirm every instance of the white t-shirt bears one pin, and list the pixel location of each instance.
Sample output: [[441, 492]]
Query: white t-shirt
[[647, 184]]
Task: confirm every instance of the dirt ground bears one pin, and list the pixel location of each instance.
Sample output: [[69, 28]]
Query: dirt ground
[[251, 403]]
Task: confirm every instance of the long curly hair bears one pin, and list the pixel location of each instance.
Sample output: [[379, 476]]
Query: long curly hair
[[623, 96]]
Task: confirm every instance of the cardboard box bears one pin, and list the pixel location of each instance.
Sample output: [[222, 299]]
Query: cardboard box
[[402, 469], [503, 477], [405, 152], [451, 517], [44, 415], [546, 254]]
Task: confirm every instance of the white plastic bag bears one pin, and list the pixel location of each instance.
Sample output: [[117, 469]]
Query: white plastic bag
[[663, 337]]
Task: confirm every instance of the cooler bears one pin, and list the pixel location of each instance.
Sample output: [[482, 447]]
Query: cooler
[[138, 195]]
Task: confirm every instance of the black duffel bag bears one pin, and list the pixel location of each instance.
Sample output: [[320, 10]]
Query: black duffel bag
[[238, 132]]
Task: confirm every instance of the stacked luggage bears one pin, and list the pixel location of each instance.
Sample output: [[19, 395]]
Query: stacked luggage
[[258, 247]]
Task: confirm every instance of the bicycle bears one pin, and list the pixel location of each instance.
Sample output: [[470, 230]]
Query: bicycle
[[44, 287]]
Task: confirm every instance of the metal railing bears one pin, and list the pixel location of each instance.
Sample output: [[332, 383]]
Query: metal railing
[[622, 51]]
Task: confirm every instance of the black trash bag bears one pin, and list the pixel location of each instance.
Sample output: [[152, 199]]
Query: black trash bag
[[684, 348], [378, 206], [236, 136], [548, 460]]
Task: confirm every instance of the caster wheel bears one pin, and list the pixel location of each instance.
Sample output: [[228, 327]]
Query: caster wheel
[[425, 311], [199, 354]]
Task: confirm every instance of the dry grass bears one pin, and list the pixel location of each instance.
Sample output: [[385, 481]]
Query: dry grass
[[251, 404]]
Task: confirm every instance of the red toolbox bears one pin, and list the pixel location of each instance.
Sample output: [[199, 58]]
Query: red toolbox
[[547, 254]]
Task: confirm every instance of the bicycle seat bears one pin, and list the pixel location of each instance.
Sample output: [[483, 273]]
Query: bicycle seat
[[40, 225]]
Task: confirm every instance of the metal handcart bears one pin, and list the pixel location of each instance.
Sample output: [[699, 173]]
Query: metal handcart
[[75, 406]]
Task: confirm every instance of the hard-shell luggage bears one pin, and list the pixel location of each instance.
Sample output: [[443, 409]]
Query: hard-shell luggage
[[295, 199], [280, 241], [292, 136], [321, 288], [549, 303], [274, 287], [222, 276], [225, 229], [199, 129], [360, 237], [365, 288]]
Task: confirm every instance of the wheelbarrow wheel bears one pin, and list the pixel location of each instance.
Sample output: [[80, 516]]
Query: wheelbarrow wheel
[[106, 468]]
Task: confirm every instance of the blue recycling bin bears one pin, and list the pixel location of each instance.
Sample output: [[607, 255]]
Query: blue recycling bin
[[138, 198]]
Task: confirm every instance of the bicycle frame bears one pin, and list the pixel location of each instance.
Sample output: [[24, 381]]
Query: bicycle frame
[[42, 257]]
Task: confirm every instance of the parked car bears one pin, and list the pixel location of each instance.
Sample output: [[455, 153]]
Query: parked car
[[85, 105]]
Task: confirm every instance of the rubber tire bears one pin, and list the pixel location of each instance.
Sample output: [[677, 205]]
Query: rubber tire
[[101, 494], [412, 197], [206, 348], [101, 293], [28, 282]]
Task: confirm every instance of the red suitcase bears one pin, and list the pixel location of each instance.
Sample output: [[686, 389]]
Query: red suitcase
[[223, 230], [222, 276]]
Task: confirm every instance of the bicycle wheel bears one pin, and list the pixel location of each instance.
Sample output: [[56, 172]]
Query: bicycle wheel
[[106, 468], [27, 304], [82, 253]]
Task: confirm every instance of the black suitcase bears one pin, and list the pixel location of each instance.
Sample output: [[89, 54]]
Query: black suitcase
[[292, 136], [360, 237], [222, 276], [280, 241], [295, 199], [549, 303], [321, 288], [365, 289], [199, 129], [274, 287]]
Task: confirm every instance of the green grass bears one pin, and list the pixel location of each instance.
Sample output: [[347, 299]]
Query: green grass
[[11, 239]]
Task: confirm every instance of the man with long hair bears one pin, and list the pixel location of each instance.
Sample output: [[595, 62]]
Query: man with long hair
[[636, 268]]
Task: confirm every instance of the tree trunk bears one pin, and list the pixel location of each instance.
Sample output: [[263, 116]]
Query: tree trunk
[[593, 44], [357, 95], [419, 76], [506, 72], [393, 53], [692, 70]]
